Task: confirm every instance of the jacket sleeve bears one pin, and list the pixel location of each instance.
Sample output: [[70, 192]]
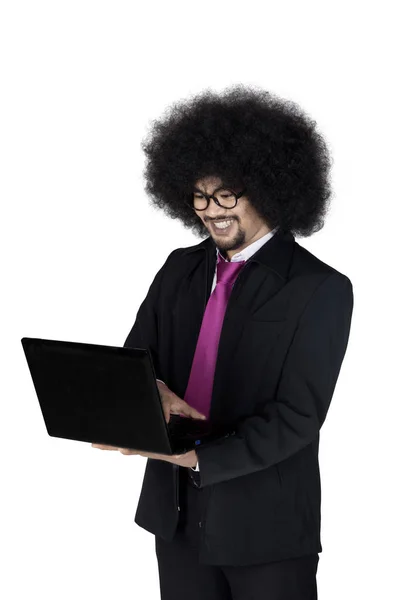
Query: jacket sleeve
[[144, 332], [303, 396]]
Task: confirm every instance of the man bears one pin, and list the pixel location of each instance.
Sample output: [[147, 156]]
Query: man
[[248, 329]]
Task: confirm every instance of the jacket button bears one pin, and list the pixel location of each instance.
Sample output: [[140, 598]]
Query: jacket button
[[199, 523]]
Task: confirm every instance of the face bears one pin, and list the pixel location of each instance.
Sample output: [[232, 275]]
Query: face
[[246, 226]]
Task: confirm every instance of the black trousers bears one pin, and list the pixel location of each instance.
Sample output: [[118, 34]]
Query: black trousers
[[183, 578]]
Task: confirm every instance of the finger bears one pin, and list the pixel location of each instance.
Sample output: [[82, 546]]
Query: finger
[[188, 411], [198, 415], [193, 412], [104, 447]]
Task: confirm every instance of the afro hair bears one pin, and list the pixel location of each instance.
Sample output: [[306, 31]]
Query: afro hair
[[248, 137]]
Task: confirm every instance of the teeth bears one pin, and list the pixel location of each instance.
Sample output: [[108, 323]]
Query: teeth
[[223, 224]]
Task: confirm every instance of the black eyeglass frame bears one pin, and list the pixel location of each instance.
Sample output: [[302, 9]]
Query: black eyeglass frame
[[209, 196]]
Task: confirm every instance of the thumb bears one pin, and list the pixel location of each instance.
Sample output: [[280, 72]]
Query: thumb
[[167, 413]]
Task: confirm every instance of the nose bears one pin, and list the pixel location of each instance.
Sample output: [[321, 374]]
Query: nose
[[214, 212]]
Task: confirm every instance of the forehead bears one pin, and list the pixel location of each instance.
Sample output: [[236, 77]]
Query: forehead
[[208, 184]]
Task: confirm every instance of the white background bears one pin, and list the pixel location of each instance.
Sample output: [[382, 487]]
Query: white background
[[80, 245]]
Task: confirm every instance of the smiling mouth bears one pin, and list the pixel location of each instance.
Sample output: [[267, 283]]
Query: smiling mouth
[[227, 225]]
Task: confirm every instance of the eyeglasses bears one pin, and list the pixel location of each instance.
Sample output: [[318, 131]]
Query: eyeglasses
[[223, 197]]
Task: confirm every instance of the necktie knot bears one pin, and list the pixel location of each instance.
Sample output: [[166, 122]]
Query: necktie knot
[[227, 271]]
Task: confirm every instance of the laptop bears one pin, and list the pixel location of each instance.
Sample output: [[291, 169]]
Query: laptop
[[108, 395]]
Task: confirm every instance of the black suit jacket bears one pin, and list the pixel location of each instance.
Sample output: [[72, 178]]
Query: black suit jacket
[[282, 344]]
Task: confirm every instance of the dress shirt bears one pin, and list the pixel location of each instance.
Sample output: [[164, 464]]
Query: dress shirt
[[244, 254]]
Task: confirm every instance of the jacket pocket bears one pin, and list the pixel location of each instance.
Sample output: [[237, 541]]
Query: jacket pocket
[[256, 342]]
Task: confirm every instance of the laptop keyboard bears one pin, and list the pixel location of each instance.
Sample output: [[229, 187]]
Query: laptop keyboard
[[188, 428]]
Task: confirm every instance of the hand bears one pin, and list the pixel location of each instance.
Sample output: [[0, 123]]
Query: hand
[[189, 459], [172, 404]]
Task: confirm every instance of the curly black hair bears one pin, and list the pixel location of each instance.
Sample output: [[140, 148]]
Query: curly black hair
[[248, 137]]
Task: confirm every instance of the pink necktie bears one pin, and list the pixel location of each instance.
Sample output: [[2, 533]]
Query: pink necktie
[[200, 385]]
